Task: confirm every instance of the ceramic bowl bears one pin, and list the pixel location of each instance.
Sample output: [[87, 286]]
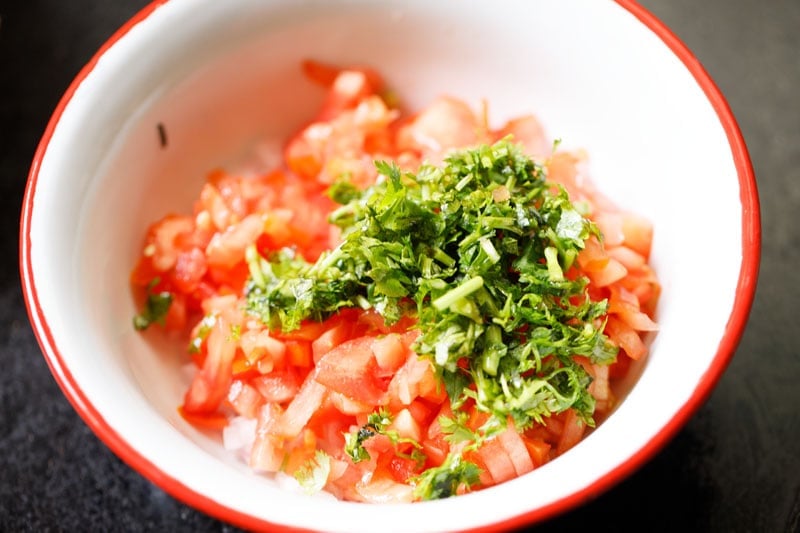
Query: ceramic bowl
[[216, 80]]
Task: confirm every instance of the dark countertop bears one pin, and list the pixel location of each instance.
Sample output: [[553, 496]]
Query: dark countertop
[[735, 466]]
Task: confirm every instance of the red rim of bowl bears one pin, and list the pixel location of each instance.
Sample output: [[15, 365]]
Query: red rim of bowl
[[748, 275]]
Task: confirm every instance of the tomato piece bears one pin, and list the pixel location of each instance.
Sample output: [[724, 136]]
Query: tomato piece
[[390, 352], [164, 237], [562, 168], [629, 258], [538, 450], [299, 353], [405, 385], [215, 420], [177, 313], [401, 468], [144, 272], [241, 367], [302, 158], [610, 225], [329, 339], [384, 489], [612, 272], [406, 425], [574, 429], [259, 345], [497, 461], [245, 399], [515, 448], [227, 248], [350, 369], [301, 409], [445, 124], [638, 233], [277, 386], [325, 74], [619, 368], [267, 453], [528, 132], [626, 337], [422, 411], [348, 89], [300, 450], [211, 383], [349, 406], [435, 445], [593, 257]]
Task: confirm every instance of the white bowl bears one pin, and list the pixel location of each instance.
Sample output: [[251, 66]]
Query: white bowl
[[223, 76]]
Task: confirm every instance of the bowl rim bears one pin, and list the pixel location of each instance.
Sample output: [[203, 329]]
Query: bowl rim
[[745, 293]]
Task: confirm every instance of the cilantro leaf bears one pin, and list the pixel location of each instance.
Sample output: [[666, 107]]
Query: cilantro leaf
[[313, 474], [155, 308], [446, 479]]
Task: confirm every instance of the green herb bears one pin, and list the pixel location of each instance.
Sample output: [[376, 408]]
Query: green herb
[[480, 251], [377, 424], [444, 480], [455, 472], [155, 308], [314, 473]]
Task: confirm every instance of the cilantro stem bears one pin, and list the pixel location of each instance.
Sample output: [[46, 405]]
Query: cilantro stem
[[553, 268], [461, 291]]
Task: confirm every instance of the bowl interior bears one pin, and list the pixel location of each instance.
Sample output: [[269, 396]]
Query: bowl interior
[[222, 80]]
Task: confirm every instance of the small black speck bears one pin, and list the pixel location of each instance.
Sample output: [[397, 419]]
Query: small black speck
[[162, 134]]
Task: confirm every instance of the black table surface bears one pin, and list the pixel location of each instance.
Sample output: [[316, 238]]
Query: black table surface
[[734, 467]]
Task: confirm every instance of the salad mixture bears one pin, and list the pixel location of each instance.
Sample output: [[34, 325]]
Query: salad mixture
[[413, 306]]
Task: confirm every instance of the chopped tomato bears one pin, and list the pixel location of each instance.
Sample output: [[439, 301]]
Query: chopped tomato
[[212, 381], [573, 431], [245, 399], [210, 421], [315, 387], [516, 450], [277, 386], [497, 461], [350, 369], [301, 408]]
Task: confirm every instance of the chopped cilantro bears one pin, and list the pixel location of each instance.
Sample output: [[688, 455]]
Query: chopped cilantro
[[480, 250], [155, 308], [444, 480], [314, 473], [377, 424]]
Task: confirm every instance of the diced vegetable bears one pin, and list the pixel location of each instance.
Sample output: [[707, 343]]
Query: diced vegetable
[[409, 307]]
